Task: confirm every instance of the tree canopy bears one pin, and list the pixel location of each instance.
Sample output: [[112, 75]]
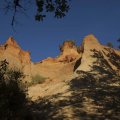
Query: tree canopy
[[58, 7]]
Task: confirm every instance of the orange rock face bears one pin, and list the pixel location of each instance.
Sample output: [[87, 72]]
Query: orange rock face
[[50, 60], [68, 52], [12, 52], [68, 62], [11, 42], [24, 57]]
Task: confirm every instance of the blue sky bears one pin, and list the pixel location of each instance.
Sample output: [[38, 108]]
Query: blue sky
[[99, 17]]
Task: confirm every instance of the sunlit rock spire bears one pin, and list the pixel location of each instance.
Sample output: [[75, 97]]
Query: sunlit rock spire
[[12, 42]]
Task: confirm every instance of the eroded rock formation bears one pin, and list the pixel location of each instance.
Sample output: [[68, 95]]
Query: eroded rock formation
[[12, 52], [82, 82], [72, 58]]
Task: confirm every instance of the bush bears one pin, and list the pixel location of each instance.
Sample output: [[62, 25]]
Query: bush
[[109, 44], [12, 93], [37, 79]]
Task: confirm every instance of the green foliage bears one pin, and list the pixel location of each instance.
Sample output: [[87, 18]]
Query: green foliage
[[58, 7], [12, 93], [37, 79], [119, 42], [109, 44]]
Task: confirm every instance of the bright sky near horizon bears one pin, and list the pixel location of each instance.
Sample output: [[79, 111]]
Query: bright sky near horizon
[[99, 17]]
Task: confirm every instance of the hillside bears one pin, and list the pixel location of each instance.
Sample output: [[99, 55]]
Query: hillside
[[80, 84]]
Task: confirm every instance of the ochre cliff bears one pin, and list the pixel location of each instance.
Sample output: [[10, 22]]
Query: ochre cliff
[[94, 52], [69, 61], [12, 52], [82, 82], [49, 67]]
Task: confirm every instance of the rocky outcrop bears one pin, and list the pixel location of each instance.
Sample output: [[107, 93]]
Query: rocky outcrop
[[95, 54], [72, 58], [12, 52], [15, 56], [50, 67], [68, 52], [89, 43], [82, 82], [11, 42]]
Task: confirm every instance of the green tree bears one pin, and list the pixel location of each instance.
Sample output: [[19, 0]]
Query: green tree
[[12, 93], [109, 44], [119, 42], [58, 7]]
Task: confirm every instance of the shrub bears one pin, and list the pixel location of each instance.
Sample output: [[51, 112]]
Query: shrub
[[109, 44], [37, 79], [12, 93]]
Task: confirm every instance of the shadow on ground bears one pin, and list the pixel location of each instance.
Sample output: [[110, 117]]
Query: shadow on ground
[[93, 95]]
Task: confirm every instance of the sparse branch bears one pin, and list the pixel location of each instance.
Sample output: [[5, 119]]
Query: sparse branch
[[58, 7], [16, 5]]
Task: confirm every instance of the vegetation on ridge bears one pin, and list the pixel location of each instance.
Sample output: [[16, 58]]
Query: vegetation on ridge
[[109, 44]]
